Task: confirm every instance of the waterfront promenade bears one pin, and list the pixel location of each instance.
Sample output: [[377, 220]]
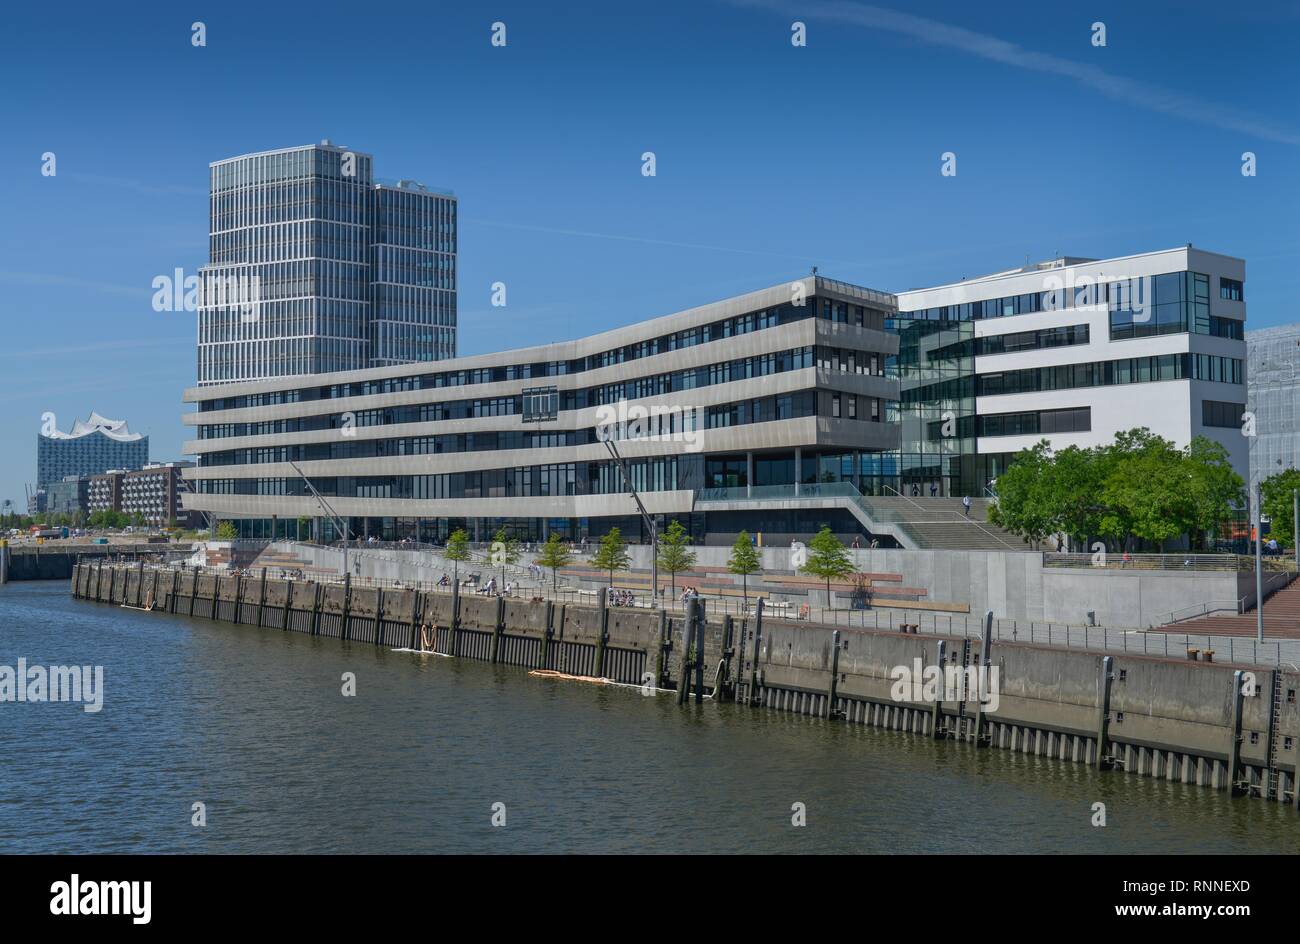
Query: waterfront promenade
[[1170, 717]]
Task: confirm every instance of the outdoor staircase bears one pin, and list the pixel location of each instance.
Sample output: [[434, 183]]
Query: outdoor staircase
[[1281, 618], [276, 560], [919, 523]]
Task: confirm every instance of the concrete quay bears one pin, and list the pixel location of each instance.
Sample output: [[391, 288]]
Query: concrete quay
[[1217, 725]]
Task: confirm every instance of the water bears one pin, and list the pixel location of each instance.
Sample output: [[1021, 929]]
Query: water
[[253, 724]]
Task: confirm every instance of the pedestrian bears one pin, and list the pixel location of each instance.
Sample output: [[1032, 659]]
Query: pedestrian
[[934, 489], [965, 504]]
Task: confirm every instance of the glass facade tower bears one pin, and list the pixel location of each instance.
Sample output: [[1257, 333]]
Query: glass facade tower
[[1274, 398], [315, 267], [935, 412], [412, 275]]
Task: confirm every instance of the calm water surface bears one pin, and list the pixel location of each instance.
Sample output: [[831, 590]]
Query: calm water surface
[[253, 724]]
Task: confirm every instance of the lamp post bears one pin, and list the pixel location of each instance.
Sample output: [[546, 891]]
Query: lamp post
[[1259, 567]]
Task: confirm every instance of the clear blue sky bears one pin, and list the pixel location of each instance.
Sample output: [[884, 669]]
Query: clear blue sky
[[770, 158]]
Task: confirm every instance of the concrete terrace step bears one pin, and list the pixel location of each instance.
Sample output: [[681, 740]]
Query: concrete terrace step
[[817, 581], [1281, 618]]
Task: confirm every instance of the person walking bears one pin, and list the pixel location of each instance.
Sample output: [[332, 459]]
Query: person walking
[[965, 504]]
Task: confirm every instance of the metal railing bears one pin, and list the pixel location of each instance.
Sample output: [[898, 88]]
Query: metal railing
[[1238, 563], [904, 519], [1232, 649], [1235, 607]]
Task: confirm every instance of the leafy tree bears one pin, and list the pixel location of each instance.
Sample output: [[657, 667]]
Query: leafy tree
[[506, 551], [226, 531], [554, 554], [1073, 488], [1145, 489], [744, 560], [1139, 487], [673, 554], [612, 554], [457, 550], [1275, 496], [1215, 488], [827, 558], [1025, 505]]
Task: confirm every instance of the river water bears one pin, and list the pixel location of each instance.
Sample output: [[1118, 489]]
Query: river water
[[253, 724]]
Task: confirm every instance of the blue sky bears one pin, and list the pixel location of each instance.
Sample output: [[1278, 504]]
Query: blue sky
[[770, 158]]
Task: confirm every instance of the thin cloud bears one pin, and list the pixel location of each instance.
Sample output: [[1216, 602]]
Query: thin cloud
[[71, 281], [586, 234], [1119, 88], [138, 186], [117, 344]]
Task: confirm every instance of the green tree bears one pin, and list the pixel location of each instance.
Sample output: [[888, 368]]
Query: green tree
[[1215, 488], [828, 559], [1275, 497], [1072, 492], [457, 550], [744, 560], [1025, 504], [226, 531], [673, 554], [612, 554], [554, 555], [1145, 490], [506, 551]]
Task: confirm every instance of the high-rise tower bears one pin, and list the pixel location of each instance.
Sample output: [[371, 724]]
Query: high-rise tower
[[314, 266]]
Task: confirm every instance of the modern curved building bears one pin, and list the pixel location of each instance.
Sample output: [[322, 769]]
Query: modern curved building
[[808, 403], [721, 412], [92, 446]]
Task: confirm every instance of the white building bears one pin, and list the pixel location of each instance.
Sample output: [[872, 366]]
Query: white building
[[1076, 350]]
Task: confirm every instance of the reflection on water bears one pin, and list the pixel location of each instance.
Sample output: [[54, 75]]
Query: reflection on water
[[252, 723]]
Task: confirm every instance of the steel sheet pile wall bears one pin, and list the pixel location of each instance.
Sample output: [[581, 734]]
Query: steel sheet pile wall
[[1217, 725]]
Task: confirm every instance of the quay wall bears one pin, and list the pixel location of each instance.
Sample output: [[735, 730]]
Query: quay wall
[[1217, 725], [55, 560]]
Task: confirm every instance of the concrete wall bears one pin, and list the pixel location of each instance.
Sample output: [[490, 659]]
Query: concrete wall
[[1013, 584], [1195, 722], [54, 561], [1016, 585]]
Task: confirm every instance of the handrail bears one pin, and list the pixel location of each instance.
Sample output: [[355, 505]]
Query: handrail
[[1081, 637], [1204, 609], [909, 500], [1232, 563], [879, 518]]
